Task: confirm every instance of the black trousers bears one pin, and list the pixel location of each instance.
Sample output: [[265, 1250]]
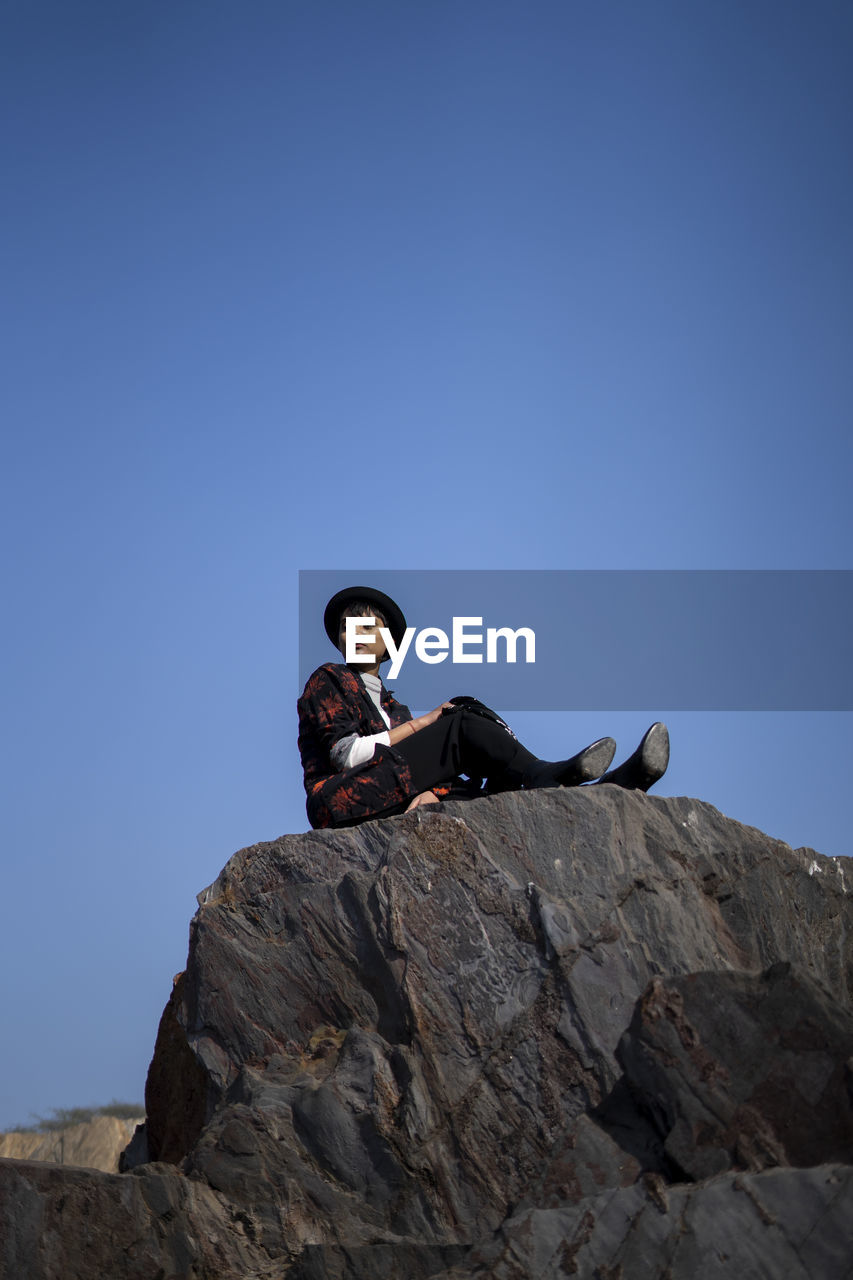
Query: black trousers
[[464, 742]]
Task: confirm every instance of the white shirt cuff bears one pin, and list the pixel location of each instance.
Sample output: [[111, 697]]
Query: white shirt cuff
[[354, 750]]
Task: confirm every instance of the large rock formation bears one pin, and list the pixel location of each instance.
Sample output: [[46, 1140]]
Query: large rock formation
[[572, 1032]]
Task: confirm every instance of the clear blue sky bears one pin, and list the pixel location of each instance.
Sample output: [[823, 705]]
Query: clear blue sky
[[312, 285]]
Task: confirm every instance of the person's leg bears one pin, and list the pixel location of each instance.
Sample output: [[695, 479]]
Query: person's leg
[[464, 742], [453, 745]]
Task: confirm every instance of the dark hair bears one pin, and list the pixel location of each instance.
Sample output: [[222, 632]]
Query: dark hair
[[361, 609]]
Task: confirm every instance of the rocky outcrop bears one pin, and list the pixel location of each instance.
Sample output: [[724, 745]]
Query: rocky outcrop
[[569, 1032], [61, 1223], [95, 1144]]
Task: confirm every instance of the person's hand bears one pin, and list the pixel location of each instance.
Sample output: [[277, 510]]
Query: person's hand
[[405, 730], [426, 797], [437, 712]]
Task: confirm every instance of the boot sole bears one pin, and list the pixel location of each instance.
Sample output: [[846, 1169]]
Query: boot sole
[[648, 763], [654, 752], [587, 764], [595, 759]]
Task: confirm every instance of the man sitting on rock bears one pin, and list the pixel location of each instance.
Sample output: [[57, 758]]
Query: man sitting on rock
[[364, 755]]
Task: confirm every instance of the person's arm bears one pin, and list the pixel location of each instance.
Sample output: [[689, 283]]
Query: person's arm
[[356, 749], [330, 708], [420, 722]]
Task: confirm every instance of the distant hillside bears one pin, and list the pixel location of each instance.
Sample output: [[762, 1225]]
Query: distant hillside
[[89, 1137]]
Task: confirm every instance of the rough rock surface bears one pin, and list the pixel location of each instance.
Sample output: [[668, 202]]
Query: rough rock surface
[[570, 1032], [61, 1223], [95, 1144], [743, 1070]]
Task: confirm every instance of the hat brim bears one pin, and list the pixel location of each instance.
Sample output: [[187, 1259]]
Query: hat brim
[[390, 611]]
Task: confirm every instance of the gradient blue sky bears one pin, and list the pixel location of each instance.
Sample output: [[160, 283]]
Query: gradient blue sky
[[441, 285]]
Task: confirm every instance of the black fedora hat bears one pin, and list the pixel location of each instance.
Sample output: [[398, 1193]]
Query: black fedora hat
[[391, 612]]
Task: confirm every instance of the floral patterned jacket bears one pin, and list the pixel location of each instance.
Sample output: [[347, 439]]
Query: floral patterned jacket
[[334, 704]]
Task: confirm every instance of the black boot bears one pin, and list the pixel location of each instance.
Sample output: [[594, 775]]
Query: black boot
[[648, 763], [487, 750], [583, 767]]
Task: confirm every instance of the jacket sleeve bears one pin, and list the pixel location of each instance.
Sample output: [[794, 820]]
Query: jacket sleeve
[[331, 706]]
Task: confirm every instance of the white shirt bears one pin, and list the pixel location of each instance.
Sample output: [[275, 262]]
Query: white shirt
[[357, 748]]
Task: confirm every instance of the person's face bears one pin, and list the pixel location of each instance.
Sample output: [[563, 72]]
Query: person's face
[[369, 644]]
